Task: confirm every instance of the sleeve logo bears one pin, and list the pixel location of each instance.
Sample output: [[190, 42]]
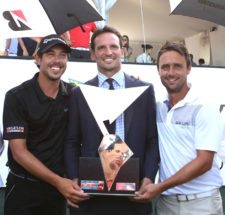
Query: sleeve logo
[[15, 129]]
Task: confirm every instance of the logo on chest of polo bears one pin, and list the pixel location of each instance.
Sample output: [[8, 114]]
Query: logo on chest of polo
[[66, 109]]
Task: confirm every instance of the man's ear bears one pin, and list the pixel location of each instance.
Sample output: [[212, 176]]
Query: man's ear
[[189, 70], [37, 59]]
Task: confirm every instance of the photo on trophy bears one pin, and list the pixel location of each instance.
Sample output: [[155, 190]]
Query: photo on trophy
[[113, 153], [93, 182]]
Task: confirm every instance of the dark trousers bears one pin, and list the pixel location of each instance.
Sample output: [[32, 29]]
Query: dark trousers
[[26, 197], [106, 205]]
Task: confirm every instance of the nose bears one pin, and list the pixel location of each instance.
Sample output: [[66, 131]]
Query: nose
[[170, 70], [108, 51], [57, 58]]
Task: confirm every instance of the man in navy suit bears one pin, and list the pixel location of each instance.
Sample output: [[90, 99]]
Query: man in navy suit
[[136, 126]]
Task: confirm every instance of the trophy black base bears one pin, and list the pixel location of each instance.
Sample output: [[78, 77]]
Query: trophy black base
[[92, 180]]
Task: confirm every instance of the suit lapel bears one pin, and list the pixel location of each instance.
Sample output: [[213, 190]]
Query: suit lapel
[[128, 114], [93, 82]]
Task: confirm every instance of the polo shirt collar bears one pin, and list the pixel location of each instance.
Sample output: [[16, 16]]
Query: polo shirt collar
[[42, 97], [63, 89], [189, 98]]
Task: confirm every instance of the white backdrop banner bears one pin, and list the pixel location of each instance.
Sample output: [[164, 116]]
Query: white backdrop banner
[[207, 81]]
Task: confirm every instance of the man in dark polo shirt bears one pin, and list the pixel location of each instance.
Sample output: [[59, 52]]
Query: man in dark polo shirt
[[35, 118]]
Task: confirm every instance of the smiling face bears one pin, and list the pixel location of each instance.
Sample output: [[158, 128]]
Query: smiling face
[[173, 72], [107, 53], [53, 63]]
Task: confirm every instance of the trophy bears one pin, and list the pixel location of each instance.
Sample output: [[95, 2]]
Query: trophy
[[118, 173]]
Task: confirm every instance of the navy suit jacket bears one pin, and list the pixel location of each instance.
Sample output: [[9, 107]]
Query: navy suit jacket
[[84, 137]]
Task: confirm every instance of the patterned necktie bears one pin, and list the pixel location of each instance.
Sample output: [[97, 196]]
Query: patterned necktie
[[110, 127]]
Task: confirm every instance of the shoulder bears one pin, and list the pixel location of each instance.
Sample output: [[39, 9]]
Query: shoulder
[[131, 81], [93, 81], [20, 89], [76, 92], [205, 111], [19, 95], [139, 56], [135, 82]]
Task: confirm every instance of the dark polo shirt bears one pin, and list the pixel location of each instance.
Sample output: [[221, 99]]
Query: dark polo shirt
[[30, 114]]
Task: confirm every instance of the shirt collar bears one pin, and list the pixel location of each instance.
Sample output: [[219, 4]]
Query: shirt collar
[[189, 97], [42, 97], [118, 77]]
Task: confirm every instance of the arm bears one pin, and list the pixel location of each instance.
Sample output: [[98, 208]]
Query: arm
[[28, 161], [23, 47], [201, 164], [66, 37], [2, 146], [15, 114], [125, 52], [207, 128], [7, 46], [128, 52], [38, 40]]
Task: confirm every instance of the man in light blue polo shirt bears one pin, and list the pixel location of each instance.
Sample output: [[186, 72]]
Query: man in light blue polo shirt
[[190, 133]]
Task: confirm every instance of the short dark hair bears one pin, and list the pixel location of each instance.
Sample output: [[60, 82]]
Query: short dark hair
[[106, 29], [146, 46], [177, 47], [201, 61]]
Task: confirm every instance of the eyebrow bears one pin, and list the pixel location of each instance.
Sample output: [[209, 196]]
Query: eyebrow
[[171, 64]]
